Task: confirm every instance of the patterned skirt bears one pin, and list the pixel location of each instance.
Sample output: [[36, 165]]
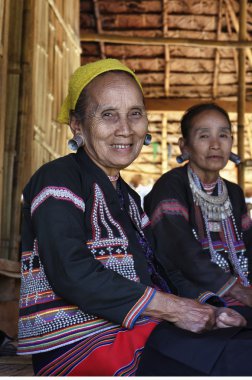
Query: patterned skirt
[[115, 352]]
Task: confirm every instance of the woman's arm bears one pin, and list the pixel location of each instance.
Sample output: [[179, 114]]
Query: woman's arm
[[56, 221], [177, 248]]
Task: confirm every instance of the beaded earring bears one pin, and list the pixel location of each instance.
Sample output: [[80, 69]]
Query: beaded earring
[[76, 142], [182, 158], [235, 158], [147, 139]]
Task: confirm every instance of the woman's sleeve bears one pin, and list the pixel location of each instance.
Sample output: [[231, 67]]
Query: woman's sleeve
[[57, 221], [246, 227], [176, 246]]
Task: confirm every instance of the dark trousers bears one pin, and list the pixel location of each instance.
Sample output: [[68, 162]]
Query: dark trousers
[[171, 351]]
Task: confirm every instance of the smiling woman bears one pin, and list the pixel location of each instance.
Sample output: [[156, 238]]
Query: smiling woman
[[91, 294], [115, 122]]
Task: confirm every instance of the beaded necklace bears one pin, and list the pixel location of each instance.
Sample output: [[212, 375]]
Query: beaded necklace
[[217, 215], [113, 178], [209, 187]]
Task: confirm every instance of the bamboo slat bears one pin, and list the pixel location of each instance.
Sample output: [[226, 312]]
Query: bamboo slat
[[4, 39], [50, 52]]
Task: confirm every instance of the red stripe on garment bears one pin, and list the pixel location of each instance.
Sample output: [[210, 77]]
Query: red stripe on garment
[[111, 353]]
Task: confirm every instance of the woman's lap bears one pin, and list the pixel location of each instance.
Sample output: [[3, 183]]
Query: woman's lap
[[169, 351], [173, 351], [110, 353]]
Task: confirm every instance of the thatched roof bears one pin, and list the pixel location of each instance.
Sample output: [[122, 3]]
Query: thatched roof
[[184, 52]]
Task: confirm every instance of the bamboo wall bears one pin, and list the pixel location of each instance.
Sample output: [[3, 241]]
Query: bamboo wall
[[39, 50]]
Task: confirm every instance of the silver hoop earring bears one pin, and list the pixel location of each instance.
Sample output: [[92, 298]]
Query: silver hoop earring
[[147, 139], [75, 143], [235, 158], [182, 158]]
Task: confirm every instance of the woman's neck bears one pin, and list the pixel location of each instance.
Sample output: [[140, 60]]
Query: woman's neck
[[205, 176]]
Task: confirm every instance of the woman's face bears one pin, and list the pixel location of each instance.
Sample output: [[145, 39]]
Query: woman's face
[[209, 143], [115, 121]]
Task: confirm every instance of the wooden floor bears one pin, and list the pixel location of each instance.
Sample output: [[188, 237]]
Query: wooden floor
[[16, 366]]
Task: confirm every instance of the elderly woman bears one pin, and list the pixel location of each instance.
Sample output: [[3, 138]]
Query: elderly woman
[[90, 294], [202, 231]]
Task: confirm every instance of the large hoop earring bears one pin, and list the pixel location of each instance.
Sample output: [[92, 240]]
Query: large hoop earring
[[182, 158], [235, 158], [147, 139], [75, 143]]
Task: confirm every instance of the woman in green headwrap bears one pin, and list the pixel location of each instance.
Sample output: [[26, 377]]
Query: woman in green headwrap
[[90, 293]]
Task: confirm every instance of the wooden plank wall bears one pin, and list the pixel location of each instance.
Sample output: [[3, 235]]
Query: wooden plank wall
[[39, 66]]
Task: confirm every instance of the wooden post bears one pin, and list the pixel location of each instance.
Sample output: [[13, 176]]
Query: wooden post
[[241, 91], [4, 40], [164, 144]]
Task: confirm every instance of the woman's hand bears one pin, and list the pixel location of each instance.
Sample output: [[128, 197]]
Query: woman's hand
[[226, 317], [183, 312], [241, 293]]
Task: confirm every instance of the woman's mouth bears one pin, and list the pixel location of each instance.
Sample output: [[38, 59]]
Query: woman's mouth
[[121, 146], [216, 157]]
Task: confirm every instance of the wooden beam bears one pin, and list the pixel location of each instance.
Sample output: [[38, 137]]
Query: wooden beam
[[164, 144], [119, 39], [99, 26], [217, 53], [235, 22], [167, 49], [166, 105], [241, 90]]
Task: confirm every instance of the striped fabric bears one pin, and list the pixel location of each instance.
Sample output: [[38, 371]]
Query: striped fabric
[[169, 207], [117, 351]]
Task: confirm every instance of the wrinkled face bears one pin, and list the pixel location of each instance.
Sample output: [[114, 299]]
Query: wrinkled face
[[115, 123], [209, 143]]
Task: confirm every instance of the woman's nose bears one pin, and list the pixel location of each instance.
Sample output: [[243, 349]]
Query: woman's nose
[[215, 143], [124, 127]]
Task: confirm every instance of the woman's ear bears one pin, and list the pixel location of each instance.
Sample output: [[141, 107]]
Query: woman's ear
[[184, 156], [182, 144], [75, 125]]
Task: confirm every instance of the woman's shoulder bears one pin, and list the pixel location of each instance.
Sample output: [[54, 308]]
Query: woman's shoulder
[[233, 188], [172, 184], [174, 177], [62, 171]]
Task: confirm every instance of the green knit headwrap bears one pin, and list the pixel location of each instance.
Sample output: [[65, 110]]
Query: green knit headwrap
[[82, 77]]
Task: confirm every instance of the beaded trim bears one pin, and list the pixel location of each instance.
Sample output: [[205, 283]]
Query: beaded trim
[[218, 209], [61, 193]]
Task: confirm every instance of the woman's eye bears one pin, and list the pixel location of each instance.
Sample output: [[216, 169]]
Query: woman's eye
[[224, 135], [203, 136], [107, 114], [136, 114]]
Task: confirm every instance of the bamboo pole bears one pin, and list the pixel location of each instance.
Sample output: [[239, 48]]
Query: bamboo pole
[[217, 53], [167, 49], [164, 144], [118, 39], [241, 91]]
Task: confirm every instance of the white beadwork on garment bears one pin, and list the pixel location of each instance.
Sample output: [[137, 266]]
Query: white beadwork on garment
[[35, 289], [144, 220], [61, 193], [103, 221], [33, 282], [135, 215], [109, 244]]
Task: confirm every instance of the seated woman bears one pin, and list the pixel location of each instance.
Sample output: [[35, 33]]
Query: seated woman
[[90, 294], [203, 234]]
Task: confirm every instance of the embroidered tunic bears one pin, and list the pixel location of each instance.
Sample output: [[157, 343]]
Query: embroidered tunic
[[83, 268], [182, 246]]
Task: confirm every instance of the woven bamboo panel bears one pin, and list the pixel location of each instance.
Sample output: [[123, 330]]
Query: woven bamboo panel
[[56, 56], [43, 50]]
